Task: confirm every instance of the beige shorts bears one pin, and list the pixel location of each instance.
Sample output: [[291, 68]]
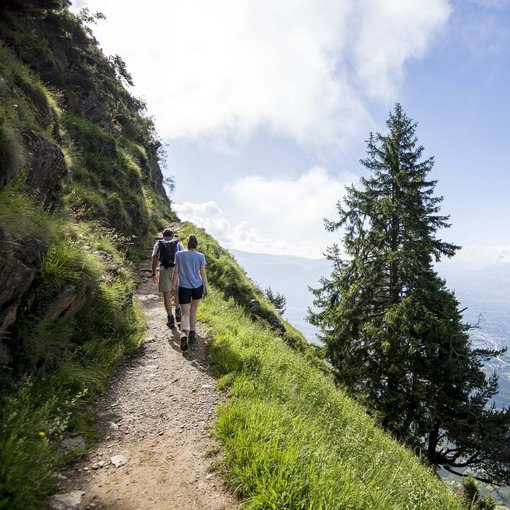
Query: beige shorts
[[165, 279]]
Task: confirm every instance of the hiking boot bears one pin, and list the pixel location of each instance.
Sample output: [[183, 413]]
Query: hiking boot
[[170, 322], [192, 336], [184, 342], [178, 315]]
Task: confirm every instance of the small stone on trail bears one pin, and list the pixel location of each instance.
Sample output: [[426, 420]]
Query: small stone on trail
[[66, 501], [118, 460], [206, 386]]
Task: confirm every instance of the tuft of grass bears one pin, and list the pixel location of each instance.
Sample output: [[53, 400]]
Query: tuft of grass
[[65, 264], [21, 216], [292, 439], [30, 431]]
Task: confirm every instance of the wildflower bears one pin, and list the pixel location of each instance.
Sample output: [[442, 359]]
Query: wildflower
[[370, 439], [41, 434], [377, 487]]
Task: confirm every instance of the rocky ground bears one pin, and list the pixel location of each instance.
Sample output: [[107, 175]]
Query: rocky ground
[[154, 448]]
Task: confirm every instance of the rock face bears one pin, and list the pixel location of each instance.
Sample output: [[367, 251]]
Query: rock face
[[19, 263], [68, 303], [47, 167]]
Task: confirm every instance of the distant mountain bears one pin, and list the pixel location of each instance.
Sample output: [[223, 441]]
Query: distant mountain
[[290, 276], [484, 293]]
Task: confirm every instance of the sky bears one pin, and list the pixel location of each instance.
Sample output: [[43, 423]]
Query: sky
[[265, 106]]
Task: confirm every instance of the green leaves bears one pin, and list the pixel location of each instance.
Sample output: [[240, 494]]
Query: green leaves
[[392, 330]]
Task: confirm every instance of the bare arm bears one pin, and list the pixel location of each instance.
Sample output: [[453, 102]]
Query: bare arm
[[203, 274], [154, 266], [175, 277]]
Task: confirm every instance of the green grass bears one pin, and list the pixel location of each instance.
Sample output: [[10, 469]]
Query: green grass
[[28, 457], [293, 440], [21, 216]]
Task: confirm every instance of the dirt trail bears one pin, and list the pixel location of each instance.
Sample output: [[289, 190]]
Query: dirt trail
[[156, 418]]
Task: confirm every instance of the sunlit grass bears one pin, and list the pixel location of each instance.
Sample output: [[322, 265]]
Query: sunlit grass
[[293, 440]]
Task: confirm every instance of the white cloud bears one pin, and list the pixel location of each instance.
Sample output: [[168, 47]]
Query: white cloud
[[477, 256], [294, 205], [274, 213], [206, 215], [300, 69]]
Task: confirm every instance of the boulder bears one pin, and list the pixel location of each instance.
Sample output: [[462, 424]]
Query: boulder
[[92, 107]]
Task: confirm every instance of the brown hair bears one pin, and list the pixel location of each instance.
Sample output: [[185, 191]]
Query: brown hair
[[168, 232], [192, 242]]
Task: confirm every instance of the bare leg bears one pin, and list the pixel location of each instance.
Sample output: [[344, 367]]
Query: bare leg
[[193, 314], [167, 297], [185, 317]]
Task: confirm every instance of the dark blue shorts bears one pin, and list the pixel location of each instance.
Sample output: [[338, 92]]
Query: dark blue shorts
[[186, 295]]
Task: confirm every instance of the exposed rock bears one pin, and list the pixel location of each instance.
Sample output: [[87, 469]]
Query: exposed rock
[[108, 415], [19, 262], [68, 303], [254, 306], [5, 357], [47, 167], [92, 108], [111, 267], [66, 501]]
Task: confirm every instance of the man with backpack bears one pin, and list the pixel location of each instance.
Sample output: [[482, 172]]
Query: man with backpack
[[164, 251]]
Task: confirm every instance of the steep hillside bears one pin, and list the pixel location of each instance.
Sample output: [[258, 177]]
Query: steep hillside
[[81, 196], [77, 154]]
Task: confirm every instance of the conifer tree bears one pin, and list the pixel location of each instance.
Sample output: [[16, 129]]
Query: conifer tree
[[392, 330]]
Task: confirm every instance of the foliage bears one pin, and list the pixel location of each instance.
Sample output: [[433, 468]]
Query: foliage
[[393, 331], [27, 456], [293, 439], [471, 496], [278, 300]]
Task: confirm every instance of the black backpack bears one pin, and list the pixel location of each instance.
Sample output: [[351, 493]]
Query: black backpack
[[167, 251]]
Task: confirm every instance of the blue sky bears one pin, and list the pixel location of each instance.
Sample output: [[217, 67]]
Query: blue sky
[[265, 107]]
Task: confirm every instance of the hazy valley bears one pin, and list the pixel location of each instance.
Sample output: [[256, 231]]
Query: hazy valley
[[483, 292]]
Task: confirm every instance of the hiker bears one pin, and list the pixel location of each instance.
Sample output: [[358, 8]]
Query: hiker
[[191, 275], [164, 251]]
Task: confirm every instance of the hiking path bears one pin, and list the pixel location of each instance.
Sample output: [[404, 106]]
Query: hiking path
[[154, 449]]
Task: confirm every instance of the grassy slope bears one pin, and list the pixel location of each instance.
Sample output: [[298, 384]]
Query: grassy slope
[[292, 438]]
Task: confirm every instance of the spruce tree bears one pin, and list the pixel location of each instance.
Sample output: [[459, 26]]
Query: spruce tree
[[392, 330]]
